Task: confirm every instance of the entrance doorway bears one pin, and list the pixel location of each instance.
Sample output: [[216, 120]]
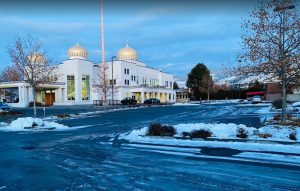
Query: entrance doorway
[[49, 99]]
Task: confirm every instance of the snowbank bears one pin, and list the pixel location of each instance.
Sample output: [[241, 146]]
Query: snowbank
[[280, 133], [186, 104], [222, 131], [224, 101], [218, 130], [296, 104], [226, 131], [264, 110], [31, 124]]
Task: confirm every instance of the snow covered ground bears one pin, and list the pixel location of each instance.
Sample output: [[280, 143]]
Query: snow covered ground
[[195, 103], [278, 148], [227, 131], [31, 124]]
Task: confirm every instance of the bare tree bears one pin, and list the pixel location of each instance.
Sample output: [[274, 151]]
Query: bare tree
[[105, 90], [30, 61], [10, 74], [271, 42], [207, 84]]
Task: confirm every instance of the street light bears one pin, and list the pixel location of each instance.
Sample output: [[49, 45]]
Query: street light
[[112, 79], [282, 9]]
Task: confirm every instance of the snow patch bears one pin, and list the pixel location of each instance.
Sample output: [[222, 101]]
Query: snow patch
[[31, 124], [186, 104], [223, 131], [296, 104]]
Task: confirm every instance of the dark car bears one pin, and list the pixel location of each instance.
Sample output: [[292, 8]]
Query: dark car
[[4, 107], [152, 101], [128, 101]]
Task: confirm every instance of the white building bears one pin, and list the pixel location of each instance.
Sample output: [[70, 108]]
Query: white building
[[78, 82]]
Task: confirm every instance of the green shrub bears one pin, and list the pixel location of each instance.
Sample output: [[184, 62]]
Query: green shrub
[[156, 129], [293, 136], [38, 104], [277, 104], [264, 135], [276, 117], [10, 113], [202, 133], [185, 134], [63, 115], [242, 133], [289, 116]]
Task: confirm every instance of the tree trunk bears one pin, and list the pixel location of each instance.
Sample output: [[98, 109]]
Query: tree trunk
[[283, 109], [208, 96], [34, 103]]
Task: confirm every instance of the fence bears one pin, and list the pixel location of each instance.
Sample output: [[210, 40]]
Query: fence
[[108, 102]]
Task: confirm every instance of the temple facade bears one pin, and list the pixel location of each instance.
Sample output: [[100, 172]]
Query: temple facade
[[80, 81]]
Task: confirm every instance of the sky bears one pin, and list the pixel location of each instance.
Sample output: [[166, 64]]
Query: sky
[[172, 35]]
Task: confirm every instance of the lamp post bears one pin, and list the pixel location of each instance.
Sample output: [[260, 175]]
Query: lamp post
[[282, 9], [112, 79]]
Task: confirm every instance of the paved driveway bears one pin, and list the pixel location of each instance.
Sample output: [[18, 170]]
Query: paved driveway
[[90, 159]]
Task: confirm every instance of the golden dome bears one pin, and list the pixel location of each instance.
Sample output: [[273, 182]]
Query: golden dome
[[36, 58], [127, 53], [77, 52]]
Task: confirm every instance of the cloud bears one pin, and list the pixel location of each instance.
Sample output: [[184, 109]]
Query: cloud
[[44, 25]]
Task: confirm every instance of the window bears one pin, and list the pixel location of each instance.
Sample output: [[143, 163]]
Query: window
[[85, 92], [71, 87], [110, 82], [166, 83], [126, 71], [43, 96], [126, 82], [131, 78], [170, 84]]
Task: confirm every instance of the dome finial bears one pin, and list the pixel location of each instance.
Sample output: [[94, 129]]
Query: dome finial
[[77, 52], [127, 53]]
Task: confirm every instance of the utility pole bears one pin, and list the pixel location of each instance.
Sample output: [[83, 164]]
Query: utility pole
[[112, 79]]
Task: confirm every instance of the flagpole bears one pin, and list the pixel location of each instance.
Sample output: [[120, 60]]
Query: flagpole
[[103, 54]]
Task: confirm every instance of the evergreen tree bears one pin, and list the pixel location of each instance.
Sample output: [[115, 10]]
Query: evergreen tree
[[197, 80]]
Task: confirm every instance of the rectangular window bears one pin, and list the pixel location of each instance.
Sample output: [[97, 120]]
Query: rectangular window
[[110, 82], [85, 92], [170, 84], [166, 83], [43, 95], [71, 87], [131, 78], [125, 71]]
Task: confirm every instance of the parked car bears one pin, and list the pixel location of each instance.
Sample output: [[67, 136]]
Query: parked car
[[4, 107], [128, 101], [152, 101], [256, 99]]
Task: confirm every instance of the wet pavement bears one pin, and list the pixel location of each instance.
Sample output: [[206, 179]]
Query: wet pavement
[[90, 159]]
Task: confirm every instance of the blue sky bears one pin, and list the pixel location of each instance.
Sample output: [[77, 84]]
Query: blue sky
[[173, 36]]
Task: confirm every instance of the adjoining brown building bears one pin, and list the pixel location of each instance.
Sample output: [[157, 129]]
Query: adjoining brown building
[[273, 91]]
